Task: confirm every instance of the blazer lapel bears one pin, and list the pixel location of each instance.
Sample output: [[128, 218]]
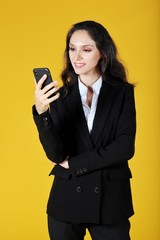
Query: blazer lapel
[[104, 104], [75, 108]]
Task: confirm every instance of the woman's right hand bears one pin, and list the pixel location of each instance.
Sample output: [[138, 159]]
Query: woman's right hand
[[42, 99]]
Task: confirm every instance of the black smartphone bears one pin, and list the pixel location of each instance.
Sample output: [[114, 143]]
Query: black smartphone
[[39, 72]]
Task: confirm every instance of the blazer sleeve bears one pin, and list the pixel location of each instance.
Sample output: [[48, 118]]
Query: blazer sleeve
[[49, 138], [119, 151]]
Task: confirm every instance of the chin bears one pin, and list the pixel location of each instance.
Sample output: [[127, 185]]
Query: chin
[[79, 72]]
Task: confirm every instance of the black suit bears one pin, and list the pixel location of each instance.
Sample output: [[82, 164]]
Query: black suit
[[96, 188]]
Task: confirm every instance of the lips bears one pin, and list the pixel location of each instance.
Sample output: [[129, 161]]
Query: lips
[[79, 65]]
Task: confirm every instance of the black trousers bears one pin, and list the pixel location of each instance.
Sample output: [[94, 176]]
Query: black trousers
[[66, 231]]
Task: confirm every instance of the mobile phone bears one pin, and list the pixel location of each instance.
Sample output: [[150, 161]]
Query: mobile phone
[[38, 74]]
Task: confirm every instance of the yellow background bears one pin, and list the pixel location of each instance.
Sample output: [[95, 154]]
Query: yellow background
[[32, 34]]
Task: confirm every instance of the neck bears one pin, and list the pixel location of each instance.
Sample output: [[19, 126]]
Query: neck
[[89, 80]]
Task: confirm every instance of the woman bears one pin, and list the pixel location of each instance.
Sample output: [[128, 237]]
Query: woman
[[88, 132]]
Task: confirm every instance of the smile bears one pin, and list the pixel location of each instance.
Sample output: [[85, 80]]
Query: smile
[[79, 65]]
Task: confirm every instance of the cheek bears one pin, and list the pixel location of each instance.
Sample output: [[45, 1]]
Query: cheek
[[70, 58], [95, 59], [98, 57], [69, 55]]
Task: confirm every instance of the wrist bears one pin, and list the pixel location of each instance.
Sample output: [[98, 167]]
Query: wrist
[[41, 111]]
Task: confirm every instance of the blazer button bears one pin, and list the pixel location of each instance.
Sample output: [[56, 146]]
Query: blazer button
[[81, 171], [45, 121], [77, 172], [84, 170], [78, 189], [96, 190]]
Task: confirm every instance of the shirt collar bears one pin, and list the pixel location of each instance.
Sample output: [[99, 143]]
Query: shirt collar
[[96, 87]]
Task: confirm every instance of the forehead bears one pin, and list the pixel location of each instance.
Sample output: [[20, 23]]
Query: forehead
[[81, 37]]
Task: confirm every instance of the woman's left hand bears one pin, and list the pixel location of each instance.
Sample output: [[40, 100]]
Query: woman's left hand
[[64, 164]]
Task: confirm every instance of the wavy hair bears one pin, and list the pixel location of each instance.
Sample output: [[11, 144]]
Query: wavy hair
[[108, 65]]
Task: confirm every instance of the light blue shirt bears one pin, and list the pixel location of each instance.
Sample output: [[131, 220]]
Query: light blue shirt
[[90, 111]]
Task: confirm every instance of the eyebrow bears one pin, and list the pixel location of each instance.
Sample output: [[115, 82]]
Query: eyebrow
[[85, 45]]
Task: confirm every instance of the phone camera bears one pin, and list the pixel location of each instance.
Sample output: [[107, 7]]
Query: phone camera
[[36, 73]]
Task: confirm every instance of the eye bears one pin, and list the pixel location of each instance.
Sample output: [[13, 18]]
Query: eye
[[71, 49], [87, 50]]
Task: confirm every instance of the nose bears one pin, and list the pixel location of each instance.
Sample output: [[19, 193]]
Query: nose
[[77, 56]]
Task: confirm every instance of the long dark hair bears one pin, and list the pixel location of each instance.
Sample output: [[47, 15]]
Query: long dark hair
[[109, 66]]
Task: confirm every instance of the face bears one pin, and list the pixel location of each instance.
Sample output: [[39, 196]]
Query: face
[[83, 54]]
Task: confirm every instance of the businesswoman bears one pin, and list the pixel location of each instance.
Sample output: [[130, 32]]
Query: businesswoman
[[87, 129]]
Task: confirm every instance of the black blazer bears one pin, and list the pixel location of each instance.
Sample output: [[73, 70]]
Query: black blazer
[[96, 187]]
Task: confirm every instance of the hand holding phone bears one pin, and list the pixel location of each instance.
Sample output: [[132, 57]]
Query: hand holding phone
[[49, 93]]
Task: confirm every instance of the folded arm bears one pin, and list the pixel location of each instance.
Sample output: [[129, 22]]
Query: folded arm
[[119, 151]]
